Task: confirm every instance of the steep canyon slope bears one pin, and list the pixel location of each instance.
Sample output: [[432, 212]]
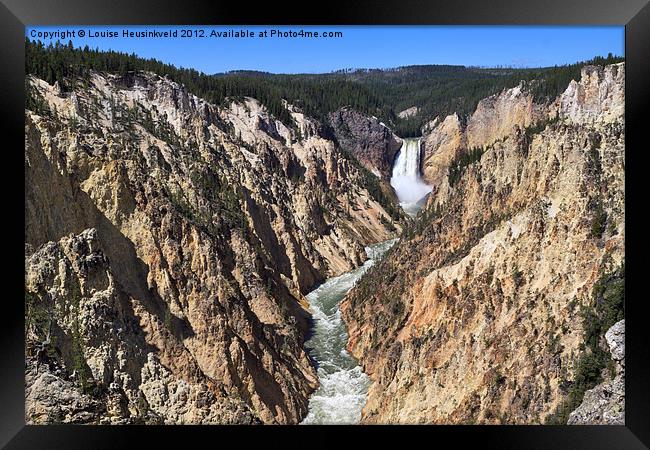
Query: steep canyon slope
[[369, 140], [477, 315], [169, 243]]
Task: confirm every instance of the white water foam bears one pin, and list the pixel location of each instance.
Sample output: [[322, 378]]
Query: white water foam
[[343, 385], [406, 180]]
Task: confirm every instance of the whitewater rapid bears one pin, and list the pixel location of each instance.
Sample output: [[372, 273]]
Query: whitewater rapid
[[343, 385], [405, 178]]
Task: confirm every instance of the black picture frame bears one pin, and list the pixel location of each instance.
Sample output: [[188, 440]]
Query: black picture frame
[[634, 14]]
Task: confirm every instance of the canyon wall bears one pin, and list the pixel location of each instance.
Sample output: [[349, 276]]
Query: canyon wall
[[605, 403], [169, 243], [369, 140], [475, 316]]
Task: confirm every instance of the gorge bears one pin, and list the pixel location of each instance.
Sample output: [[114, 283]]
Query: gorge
[[343, 386], [195, 257]]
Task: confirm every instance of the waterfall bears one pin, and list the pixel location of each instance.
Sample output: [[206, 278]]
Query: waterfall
[[406, 180]]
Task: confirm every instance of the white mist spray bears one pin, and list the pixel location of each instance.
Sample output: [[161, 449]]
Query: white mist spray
[[406, 180]]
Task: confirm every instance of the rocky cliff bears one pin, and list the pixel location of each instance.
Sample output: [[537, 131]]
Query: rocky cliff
[[369, 140], [168, 245], [605, 403], [477, 315], [495, 118]]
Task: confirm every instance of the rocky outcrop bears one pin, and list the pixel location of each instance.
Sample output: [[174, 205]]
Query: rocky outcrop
[[170, 242], [369, 140], [89, 357], [605, 404], [408, 112], [56, 321], [597, 97], [495, 118], [474, 316], [439, 146]]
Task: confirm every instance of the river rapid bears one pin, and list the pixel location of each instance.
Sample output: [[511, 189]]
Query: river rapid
[[343, 385]]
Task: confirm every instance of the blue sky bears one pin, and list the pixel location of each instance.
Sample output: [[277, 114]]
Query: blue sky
[[361, 46]]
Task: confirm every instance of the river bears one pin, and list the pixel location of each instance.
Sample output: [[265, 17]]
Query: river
[[343, 385]]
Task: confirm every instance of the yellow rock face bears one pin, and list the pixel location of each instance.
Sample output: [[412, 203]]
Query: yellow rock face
[[477, 315], [213, 221]]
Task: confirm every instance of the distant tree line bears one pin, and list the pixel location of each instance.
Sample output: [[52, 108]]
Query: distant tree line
[[437, 90], [61, 63]]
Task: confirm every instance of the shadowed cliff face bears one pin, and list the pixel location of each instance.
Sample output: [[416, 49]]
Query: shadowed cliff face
[[169, 243], [475, 315], [370, 141]]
